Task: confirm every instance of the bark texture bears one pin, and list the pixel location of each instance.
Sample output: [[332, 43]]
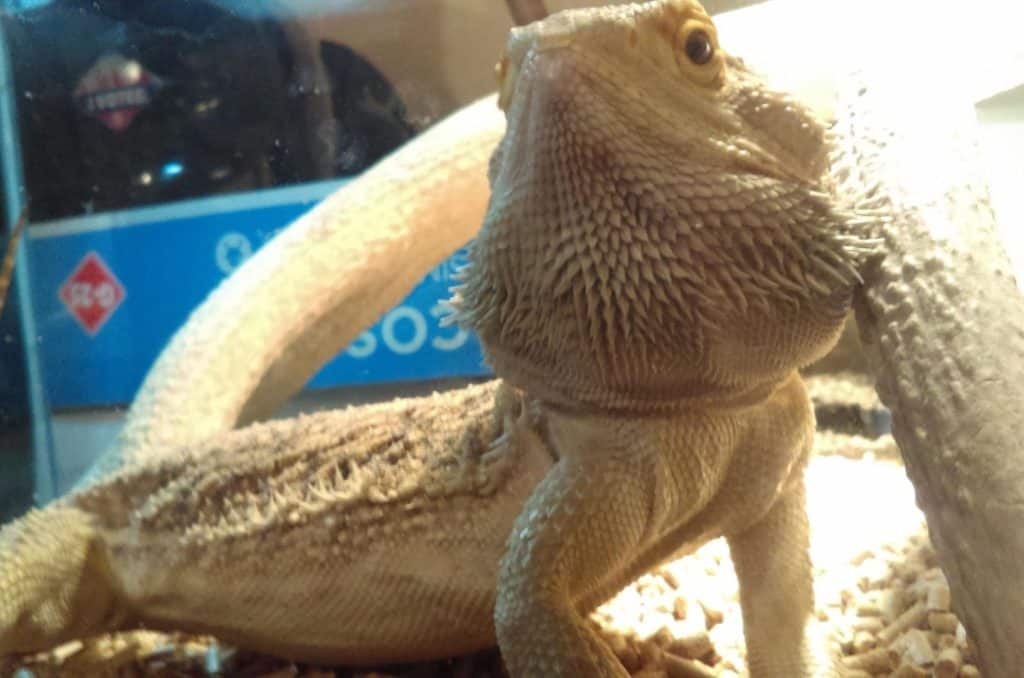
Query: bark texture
[[942, 322]]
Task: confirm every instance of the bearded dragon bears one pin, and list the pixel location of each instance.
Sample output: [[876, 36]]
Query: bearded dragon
[[660, 254]]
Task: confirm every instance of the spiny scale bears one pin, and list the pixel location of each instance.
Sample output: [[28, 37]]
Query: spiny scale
[[402, 453]]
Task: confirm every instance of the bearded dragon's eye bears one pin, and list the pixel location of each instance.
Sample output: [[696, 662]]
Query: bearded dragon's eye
[[697, 53], [699, 48]]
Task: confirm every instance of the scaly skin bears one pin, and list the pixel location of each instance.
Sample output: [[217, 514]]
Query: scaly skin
[[656, 286], [354, 536], [655, 264], [309, 292], [942, 317]]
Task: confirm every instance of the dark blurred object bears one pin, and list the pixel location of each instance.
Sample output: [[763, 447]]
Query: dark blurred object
[[371, 120], [16, 474], [125, 103]]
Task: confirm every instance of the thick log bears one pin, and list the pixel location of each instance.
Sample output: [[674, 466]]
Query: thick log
[[942, 322]]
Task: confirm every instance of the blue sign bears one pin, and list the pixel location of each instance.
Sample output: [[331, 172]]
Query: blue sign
[[107, 297]]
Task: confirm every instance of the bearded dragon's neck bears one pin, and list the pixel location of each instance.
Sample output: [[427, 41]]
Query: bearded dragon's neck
[[697, 393]]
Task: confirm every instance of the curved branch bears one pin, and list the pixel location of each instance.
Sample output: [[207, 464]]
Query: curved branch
[[308, 293]]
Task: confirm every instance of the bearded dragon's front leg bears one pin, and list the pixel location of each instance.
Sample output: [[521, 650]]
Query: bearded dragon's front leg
[[621, 498], [564, 542], [777, 592]]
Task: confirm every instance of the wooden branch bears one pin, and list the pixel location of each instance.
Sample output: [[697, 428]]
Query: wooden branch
[[942, 323]]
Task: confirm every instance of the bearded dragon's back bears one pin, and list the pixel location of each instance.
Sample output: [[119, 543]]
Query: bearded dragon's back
[[364, 535]]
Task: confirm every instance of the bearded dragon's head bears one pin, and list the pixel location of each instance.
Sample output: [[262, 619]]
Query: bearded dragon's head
[[659, 228]]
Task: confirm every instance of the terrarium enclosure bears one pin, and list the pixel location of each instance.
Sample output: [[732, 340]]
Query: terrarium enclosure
[[156, 148]]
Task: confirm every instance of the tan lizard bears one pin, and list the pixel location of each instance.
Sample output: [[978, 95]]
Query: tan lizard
[[656, 262]]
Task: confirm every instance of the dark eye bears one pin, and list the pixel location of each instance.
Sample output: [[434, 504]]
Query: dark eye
[[699, 48]]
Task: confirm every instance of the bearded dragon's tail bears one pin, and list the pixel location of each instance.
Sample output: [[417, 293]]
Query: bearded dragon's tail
[[53, 581]]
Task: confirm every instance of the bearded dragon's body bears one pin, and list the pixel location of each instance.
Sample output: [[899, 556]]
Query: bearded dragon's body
[[656, 262], [399, 525], [326, 537]]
